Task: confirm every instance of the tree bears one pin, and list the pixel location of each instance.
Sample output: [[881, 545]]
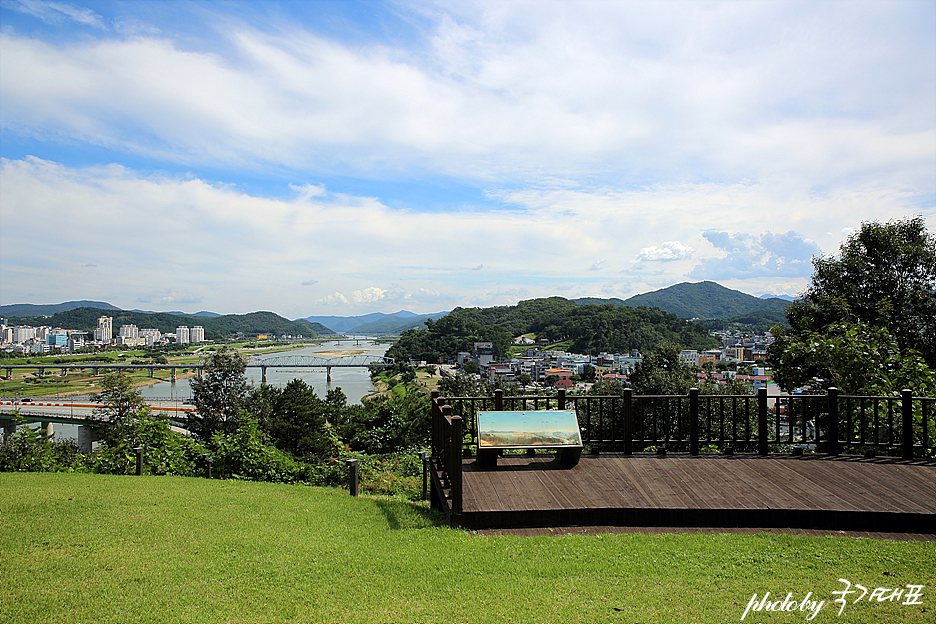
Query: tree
[[117, 403], [884, 277], [867, 322], [855, 358], [662, 372], [299, 422], [220, 394]]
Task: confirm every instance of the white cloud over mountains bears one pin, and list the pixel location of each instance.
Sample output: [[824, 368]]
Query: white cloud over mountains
[[610, 147]]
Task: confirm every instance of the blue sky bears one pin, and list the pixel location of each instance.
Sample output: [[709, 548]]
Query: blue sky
[[316, 158]]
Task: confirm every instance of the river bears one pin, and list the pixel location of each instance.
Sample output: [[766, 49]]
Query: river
[[354, 382]]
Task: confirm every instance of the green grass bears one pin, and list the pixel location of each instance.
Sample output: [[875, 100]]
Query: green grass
[[97, 548]]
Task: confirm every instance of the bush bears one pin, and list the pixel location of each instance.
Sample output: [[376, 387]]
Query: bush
[[30, 450], [164, 451]]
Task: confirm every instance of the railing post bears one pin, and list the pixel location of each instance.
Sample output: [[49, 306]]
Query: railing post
[[498, 400], [693, 421], [833, 430], [906, 407], [562, 399], [762, 428], [628, 419]]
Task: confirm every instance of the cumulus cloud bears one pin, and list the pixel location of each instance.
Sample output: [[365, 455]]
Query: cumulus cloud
[[597, 266], [336, 298], [368, 295], [749, 256], [666, 252]]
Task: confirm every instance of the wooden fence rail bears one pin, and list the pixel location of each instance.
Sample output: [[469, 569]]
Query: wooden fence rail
[[831, 423]]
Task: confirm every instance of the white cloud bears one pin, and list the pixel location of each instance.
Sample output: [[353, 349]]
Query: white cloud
[[55, 13], [666, 252], [729, 91], [241, 252], [746, 255], [368, 295], [336, 298], [591, 131]]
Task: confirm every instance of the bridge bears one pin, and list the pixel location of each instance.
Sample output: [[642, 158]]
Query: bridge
[[317, 361], [49, 411], [284, 361]]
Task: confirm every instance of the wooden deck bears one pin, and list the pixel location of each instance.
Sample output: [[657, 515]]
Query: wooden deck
[[743, 491]]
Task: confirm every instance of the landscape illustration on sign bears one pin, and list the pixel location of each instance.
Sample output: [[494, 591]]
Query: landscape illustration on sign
[[537, 428]]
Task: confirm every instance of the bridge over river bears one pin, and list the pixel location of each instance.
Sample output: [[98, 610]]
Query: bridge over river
[[318, 361], [282, 361]]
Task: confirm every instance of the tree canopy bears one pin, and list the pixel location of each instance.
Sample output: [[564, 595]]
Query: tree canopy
[[868, 319], [885, 276]]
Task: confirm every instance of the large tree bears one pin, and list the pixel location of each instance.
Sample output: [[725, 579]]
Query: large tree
[[220, 394], [118, 403], [879, 292], [885, 276]]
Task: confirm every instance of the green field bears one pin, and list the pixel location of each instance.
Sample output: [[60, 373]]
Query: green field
[[97, 548]]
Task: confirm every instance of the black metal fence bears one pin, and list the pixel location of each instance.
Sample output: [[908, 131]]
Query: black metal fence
[[900, 426]]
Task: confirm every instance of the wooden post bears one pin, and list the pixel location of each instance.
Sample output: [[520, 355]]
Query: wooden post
[[833, 432], [498, 400], [762, 428], [693, 421], [906, 407], [628, 419], [562, 399]]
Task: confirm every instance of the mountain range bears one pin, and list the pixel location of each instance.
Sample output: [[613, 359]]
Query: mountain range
[[700, 300], [376, 322]]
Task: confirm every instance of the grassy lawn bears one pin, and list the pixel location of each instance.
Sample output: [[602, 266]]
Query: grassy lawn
[[96, 548]]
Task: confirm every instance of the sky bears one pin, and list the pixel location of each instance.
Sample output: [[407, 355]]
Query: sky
[[341, 158]]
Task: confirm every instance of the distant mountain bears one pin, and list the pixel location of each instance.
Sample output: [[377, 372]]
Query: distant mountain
[[375, 322], [394, 324], [29, 309], [784, 297], [704, 300], [177, 313]]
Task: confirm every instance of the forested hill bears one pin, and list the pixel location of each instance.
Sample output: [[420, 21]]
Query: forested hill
[[703, 300], [216, 328], [590, 328]]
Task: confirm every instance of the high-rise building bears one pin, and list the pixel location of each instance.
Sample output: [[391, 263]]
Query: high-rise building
[[197, 334], [151, 336], [22, 333], [129, 331], [105, 329], [182, 335]]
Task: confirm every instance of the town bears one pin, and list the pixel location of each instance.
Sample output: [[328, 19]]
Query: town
[[740, 358], [28, 340]]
